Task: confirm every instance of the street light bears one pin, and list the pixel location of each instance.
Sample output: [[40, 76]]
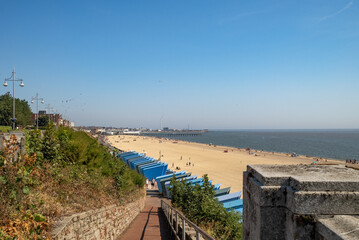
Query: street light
[[37, 107], [12, 78]]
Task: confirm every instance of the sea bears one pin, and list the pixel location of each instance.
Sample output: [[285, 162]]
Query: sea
[[330, 144]]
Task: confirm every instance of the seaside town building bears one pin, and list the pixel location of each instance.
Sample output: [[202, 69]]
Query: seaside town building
[[56, 118]]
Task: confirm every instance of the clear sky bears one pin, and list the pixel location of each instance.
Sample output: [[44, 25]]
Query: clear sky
[[217, 64]]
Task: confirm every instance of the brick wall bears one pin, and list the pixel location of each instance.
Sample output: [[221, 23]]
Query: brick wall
[[104, 223]]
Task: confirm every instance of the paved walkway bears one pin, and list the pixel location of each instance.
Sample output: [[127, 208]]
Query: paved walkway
[[151, 223]]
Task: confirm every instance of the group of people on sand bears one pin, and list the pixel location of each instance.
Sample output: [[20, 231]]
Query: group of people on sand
[[150, 184], [189, 164], [352, 161]]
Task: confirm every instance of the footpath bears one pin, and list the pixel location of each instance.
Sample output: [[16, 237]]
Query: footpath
[[151, 223]]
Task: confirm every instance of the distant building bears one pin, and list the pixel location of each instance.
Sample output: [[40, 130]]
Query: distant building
[[54, 117]]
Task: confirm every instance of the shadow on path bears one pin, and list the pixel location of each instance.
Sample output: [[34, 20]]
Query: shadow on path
[[151, 223]]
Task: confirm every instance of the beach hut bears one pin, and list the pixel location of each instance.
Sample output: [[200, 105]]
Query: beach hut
[[195, 181], [222, 191], [149, 165], [124, 154], [229, 197], [136, 162], [158, 179], [236, 205], [155, 171], [165, 183], [161, 184], [129, 159], [144, 162], [140, 166], [130, 156]]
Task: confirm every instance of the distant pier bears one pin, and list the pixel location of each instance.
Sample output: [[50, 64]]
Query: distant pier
[[174, 133]]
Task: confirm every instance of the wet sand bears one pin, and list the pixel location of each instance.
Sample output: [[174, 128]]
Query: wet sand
[[223, 165]]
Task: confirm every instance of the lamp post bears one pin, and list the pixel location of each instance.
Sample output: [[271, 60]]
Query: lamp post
[[12, 78], [37, 108]]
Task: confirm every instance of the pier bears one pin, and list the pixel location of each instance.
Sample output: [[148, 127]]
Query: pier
[[174, 133]]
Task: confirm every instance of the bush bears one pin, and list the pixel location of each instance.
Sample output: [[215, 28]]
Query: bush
[[63, 170], [18, 217], [65, 146], [199, 205]]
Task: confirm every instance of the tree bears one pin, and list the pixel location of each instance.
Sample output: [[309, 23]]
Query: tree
[[5, 110], [43, 121], [22, 111]]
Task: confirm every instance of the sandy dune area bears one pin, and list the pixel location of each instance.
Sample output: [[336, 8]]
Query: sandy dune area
[[223, 165]]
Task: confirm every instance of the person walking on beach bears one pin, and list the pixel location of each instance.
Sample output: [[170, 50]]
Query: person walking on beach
[[153, 182], [147, 183]]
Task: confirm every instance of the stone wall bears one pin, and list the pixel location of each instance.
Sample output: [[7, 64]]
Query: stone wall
[[300, 202], [104, 223], [20, 137]]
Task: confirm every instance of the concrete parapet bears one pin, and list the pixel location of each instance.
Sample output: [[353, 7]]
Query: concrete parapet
[[284, 201], [338, 227]]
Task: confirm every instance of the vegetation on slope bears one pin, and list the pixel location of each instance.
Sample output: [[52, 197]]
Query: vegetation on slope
[[63, 172], [200, 206]]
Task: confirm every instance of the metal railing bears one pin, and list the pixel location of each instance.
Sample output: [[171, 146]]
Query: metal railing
[[174, 218]]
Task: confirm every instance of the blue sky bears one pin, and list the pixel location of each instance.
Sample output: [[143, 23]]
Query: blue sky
[[206, 64]]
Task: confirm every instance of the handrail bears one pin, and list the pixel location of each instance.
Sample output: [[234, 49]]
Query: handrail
[[170, 212]]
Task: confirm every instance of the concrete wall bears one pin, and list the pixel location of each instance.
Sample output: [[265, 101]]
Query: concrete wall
[[301, 202], [104, 223]]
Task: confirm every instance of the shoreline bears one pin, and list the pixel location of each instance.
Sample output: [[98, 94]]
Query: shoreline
[[252, 149], [223, 164]]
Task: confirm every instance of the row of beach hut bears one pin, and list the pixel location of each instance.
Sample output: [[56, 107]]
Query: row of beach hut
[[152, 168]]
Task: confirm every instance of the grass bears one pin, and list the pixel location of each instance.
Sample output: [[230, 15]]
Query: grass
[[5, 128]]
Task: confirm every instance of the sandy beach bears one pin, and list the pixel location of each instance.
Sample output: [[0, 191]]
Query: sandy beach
[[223, 165]]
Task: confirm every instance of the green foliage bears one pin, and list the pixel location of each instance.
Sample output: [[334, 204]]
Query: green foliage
[[50, 144], [22, 111], [5, 128], [33, 143], [199, 205], [43, 121], [38, 217], [16, 181], [66, 146], [65, 167]]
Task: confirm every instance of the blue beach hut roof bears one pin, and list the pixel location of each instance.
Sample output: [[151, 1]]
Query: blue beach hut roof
[[128, 157], [154, 172], [163, 181], [124, 154], [167, 184], [229, 197], [194, 181], [128, 161], [143, 164], [134, 163], [222, 191], [150, 165], [167, 176], [236, 205]]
